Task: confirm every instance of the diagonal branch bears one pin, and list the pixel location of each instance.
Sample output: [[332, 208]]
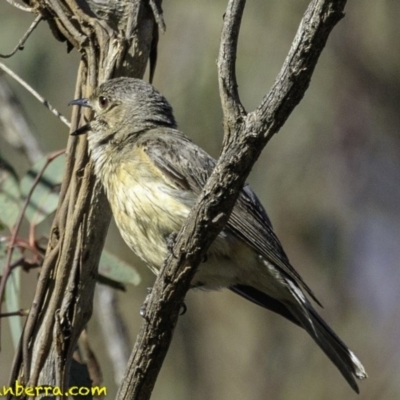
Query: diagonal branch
[[20, 6], [35, 94], [247, 138], [24, 38], [295, 75]]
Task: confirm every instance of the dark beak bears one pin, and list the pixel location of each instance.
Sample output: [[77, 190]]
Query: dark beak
[[80, 131], [80, 102]]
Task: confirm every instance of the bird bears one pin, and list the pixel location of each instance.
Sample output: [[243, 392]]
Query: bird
[[153, 174]]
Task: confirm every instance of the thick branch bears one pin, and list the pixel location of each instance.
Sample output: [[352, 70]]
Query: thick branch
[[295, 75], [220, 193]]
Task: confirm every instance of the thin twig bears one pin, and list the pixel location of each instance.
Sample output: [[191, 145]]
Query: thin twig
[[35, 94], [20, 6], [24, 38], [19, 313], [8, 265], [16, 129]]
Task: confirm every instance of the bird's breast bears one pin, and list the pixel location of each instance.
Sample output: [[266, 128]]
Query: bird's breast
[[146, 209]]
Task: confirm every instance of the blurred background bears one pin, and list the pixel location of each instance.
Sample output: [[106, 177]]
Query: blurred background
[[329, 181]]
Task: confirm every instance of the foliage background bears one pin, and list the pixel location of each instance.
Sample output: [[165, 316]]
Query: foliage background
[[329, 180]]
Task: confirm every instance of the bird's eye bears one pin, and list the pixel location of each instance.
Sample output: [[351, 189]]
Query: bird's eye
[[103, 102]]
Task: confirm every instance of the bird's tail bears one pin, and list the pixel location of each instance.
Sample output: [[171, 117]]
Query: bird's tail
[[300, 311], [344, 359]]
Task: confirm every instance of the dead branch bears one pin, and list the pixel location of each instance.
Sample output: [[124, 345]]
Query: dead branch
[[29, 88], [15, 128], [243, 141], [20, 45], [19, 6]]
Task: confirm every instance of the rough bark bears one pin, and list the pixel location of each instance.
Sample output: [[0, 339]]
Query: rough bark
[[114, 40], [246, 134]]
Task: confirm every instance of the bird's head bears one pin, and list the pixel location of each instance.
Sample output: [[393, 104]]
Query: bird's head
[[124, 107]]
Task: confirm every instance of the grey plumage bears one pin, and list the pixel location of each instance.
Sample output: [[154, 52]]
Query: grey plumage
[[153, 174]]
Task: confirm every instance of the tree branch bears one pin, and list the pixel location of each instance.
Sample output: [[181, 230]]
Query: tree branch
[[248, 136], [24, 38], [232, 108], [20, 6], [295, 75], [35, 94]]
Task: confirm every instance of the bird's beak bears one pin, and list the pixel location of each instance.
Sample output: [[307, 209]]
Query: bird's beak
[[80, 102], [80, 131]]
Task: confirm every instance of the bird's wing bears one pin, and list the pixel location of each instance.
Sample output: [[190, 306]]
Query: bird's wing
[[189, 167]]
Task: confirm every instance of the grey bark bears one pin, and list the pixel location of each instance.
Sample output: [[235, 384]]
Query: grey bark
[[245, 135], [115, 39]]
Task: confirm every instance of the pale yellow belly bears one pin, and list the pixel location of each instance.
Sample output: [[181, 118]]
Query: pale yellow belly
[[147, 212]]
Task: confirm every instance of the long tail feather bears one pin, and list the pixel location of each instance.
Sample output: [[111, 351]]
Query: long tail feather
[[344, 359], [301, 312]]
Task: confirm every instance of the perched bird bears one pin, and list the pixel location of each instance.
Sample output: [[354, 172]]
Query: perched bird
[[153, 173]]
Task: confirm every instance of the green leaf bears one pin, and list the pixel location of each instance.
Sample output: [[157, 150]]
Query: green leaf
[[44, 199], [12, 296], [12, 292], [10, 203], [115, 269]]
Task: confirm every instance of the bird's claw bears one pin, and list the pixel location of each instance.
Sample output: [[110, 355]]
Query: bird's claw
[[183, 309]]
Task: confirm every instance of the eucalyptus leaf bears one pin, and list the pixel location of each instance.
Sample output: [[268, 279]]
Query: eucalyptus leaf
[[10, 203], [44, 199], [12, 300], [118, 270]]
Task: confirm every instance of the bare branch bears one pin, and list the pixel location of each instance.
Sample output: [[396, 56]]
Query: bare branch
[[35, 94], [8, 266], [219, 195], [16, 129], [24, 38], [295, 76], [19, 313], [232, 108], [20, 6]]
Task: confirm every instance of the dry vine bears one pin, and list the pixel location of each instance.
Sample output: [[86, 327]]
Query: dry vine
[[114, 39]]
